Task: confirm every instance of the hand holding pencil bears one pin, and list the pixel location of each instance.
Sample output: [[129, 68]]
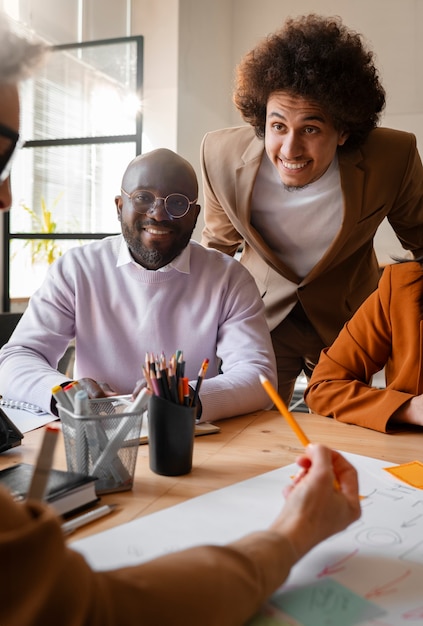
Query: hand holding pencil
[[313, 509]]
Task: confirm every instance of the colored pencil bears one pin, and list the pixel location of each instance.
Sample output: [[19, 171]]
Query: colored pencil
[[279, 403], [201, 374]]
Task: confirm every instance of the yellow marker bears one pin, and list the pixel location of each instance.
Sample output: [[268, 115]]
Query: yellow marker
[[279, 403]]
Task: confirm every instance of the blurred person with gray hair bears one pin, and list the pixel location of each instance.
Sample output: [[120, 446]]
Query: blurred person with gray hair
[[19, 57]]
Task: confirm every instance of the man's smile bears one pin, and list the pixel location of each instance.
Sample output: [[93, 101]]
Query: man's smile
[[294, 166], [156, 230]]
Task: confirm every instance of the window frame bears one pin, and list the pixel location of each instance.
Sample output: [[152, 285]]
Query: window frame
[[135, 138]]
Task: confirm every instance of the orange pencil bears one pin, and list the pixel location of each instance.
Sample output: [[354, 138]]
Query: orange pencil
[[185, 391], [279, 403], [180, 390]]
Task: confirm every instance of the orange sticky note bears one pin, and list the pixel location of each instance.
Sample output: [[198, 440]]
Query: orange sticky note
[[410, 473]]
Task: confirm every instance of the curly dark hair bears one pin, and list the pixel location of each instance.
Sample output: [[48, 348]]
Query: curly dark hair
[[317, 58]]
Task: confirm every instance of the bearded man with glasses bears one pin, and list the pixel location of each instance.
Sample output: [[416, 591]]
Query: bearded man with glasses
[[151, 289]]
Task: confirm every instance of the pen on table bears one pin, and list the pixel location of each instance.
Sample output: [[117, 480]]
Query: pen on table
[[280, 405], [86, 518], [201, 374], [39, 480]]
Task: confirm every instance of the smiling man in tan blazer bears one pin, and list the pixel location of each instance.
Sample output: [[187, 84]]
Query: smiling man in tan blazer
[[304, 186]]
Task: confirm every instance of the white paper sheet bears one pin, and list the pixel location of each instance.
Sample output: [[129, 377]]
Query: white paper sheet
[[374, 569]]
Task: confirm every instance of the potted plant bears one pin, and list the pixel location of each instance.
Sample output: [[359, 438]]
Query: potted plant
[[43, 250]]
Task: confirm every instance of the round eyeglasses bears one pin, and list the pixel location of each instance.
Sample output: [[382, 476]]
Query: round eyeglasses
[[176, 204]]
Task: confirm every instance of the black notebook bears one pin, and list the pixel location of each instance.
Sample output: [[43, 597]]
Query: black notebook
[[67, 492]]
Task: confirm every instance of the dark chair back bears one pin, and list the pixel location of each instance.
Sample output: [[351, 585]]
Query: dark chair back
[[8, 323]]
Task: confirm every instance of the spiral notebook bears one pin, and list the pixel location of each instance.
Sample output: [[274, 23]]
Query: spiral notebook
[[5, 403], [24, 415]]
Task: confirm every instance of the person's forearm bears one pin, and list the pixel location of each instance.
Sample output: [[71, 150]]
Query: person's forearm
[[229, 395], [411, 412], [26, 375], [207, 585]]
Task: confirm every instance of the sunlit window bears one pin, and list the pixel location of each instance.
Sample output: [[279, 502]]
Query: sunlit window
[[82, 123]]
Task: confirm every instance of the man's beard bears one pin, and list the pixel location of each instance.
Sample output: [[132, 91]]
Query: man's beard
[[294, 187], [153, 259]]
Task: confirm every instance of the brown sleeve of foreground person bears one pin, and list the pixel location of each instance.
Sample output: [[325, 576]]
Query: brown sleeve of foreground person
[[44, 581]]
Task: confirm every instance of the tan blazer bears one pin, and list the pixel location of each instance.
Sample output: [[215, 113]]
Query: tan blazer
[[382, 178], [386, 332]]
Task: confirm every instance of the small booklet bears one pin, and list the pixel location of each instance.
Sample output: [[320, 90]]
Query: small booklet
[[67, 492]]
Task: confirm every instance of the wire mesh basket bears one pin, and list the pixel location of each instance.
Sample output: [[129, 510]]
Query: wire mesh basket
[[103, 443]]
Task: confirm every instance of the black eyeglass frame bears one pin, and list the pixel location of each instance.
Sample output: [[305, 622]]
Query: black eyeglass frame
[[150, 208], [7, 157]]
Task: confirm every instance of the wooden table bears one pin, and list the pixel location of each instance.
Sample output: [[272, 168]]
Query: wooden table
[[246, 446]]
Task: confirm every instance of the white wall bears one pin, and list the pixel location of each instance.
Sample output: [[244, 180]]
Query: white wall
[[157, 21], [204, 76]]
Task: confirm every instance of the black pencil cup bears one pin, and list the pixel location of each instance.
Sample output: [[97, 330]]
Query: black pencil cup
[[171, 430]]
